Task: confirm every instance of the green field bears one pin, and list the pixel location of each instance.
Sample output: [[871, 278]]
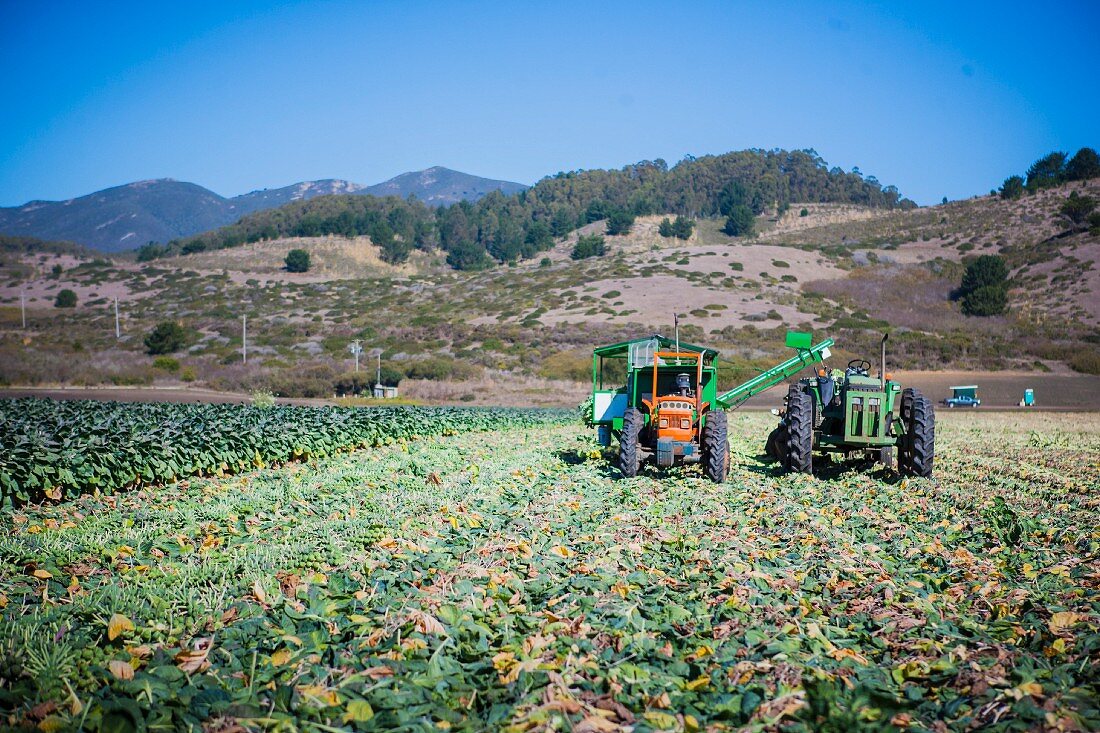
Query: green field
[[510, 580]]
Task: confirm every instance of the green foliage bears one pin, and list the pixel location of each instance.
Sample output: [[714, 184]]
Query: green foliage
[[983, 271], [1085, 164], [507, 228], [166, 338], [545, 262], [65, 299], [804, 212], [83, 446], [665, 228], [740, 222], [440, 368], [619, 221], [166, 364], [988, 300], [1077, 208], [589, 245], [1047, 171], [683, 227], [1012, 188], [297, 260], [380, 589], [188, 374], [1094, 223]]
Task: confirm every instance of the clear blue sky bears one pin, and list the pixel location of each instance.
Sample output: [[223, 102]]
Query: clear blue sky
[[936, 98]]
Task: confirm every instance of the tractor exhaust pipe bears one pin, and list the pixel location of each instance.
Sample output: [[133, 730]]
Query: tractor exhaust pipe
[[882, 363]]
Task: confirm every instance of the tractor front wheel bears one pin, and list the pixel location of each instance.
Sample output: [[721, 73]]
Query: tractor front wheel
[[776, 442], [629, 454], [919, 439], [799, 433], [716, 447]]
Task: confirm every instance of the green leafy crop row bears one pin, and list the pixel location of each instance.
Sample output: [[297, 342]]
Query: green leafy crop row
[[61, 449]]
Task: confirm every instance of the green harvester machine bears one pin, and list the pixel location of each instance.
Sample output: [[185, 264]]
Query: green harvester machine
[[659, 398], [855, 415]]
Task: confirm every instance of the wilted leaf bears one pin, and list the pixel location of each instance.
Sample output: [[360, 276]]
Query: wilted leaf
[[118, 625], [358, 711], [121, 670]]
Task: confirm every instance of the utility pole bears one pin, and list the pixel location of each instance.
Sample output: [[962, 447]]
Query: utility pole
[[118, 328], [23, 307], [378, 377], [244, 339], [356, 349], [676, 325]]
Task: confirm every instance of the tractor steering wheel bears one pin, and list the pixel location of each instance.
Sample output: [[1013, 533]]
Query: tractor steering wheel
[[861, 365]]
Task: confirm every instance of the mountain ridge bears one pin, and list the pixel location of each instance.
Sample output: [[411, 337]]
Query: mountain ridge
[[126, 216]]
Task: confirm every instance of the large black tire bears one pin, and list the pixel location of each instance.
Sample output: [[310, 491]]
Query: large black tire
[[716, 446], [629, 455], [800, 433], [906, 414], [920, 438]]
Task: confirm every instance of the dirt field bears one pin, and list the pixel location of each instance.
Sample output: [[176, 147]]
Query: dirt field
[[997, 390]]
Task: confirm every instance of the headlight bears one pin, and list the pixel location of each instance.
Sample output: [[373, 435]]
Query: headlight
[[664, 422], [685, 424]]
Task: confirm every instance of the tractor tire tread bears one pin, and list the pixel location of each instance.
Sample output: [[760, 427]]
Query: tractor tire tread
[[920, 438], [628, 442], [716, 446], [799, 433]]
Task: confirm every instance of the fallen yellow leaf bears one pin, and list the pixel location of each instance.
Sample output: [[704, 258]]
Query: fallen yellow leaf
[[562, 551], [1062, 620], [117, 625]]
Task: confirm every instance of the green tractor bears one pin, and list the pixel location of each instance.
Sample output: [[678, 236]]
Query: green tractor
[[660, 398], [855, 415]]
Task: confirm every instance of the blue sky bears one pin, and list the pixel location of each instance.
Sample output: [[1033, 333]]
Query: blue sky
[[936, 98]]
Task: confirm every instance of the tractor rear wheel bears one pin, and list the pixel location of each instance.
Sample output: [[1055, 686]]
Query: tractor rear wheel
[[628, 442], [716, 446], [799, 433], [919, 440]]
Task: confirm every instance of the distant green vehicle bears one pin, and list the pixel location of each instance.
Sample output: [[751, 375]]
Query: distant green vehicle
[[660, 398], [853, 414]]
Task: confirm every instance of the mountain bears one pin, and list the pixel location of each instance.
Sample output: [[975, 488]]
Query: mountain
[[440, 186], [125, 217]]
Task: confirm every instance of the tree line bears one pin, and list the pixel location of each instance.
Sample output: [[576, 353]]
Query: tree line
[[1053, 169], [501, 228]]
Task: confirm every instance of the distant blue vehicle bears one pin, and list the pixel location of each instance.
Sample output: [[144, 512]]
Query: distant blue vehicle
[[962, 401]]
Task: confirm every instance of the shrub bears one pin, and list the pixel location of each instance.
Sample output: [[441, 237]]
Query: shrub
[[780, 263], [165, 338], [166, 364], [438, 368], [65, 299], [988, 300], [1084, 165], [740, 222], [1077, 208], [188, 374], [804, 212], [737, 266], [592, 245], [665, 228], [1012, 188], [575, 366], [1086, 362], [611, 294], [263, 400], [985, 270], [297, 260], [619, 222], [683, 227], [545, 262]]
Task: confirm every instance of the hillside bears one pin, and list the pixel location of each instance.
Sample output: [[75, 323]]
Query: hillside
[[501, 228], [129, 216], [506, 333]]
